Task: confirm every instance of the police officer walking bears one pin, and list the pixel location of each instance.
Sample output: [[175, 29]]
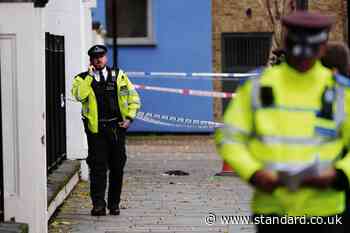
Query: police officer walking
[[286, 133], [109, 104]]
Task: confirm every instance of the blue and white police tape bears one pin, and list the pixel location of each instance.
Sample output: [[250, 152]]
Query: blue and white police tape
[[171, 121], [176, 121], [185, 91], [191, 76]]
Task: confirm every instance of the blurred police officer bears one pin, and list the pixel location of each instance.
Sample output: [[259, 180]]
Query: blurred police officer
[[109, 104], [293, 116]]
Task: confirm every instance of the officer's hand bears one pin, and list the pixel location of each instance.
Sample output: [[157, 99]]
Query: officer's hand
[[266, 180], [324, 180], [124, 124]]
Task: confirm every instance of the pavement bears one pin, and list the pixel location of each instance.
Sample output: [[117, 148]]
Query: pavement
[[153, 201]]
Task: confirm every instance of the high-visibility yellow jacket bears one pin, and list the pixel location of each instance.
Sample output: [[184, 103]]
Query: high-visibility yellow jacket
[[276, 119], [128, 98]]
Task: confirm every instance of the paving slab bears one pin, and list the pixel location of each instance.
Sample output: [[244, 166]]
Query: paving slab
[[155, 202]]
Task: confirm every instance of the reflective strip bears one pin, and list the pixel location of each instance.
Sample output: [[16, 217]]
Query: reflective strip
[[290, 109], [293, 140], [256, 102], [230, 130], [228, 133], [342, 80], [294, 166], [294, 109], [340, 108], [231, 141], [124, 93]]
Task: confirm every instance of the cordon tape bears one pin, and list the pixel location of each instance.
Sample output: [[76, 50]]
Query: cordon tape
[[174, 121]]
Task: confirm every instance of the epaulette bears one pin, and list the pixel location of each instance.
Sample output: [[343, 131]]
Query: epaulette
[[342, 80], [82, 75]]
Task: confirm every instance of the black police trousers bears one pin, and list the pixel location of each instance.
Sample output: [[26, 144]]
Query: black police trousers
[[106, 151]]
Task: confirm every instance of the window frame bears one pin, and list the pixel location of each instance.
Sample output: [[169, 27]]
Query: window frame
[[149, 40]]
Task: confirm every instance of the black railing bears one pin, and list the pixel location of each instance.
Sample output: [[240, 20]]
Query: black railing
[[55, 101]]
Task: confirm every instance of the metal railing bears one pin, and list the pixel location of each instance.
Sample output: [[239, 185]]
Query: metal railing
[[55, 101]]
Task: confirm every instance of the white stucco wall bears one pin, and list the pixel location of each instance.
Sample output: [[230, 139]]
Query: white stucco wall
[[22, 57], [22, 66], [72, 18]]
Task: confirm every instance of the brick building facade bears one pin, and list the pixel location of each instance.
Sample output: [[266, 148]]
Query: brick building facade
[[258, 21]]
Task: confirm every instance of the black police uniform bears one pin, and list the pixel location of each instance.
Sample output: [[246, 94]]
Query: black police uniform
[[107, 147]]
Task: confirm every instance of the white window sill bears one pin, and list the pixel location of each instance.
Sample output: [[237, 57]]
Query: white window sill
[[146, 41]]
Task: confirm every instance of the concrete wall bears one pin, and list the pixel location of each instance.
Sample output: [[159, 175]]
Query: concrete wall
[[182, 32], [22, 58]]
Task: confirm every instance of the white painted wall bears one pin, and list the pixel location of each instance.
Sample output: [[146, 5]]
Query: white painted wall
[[22, 61], [72, 18], [22, 66]]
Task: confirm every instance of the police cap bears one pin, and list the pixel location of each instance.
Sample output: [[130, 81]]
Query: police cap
[[308, 27], [310, 20], [97, 50], [306, 31]]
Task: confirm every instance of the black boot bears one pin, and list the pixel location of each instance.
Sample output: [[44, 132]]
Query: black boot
[[98, 211], [114, 211]]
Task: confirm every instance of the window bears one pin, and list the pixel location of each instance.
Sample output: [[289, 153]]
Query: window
[[134, 22], [241, 53], [244, 51]]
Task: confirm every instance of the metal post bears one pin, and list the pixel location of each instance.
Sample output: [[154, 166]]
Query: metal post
[[115, 33]]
